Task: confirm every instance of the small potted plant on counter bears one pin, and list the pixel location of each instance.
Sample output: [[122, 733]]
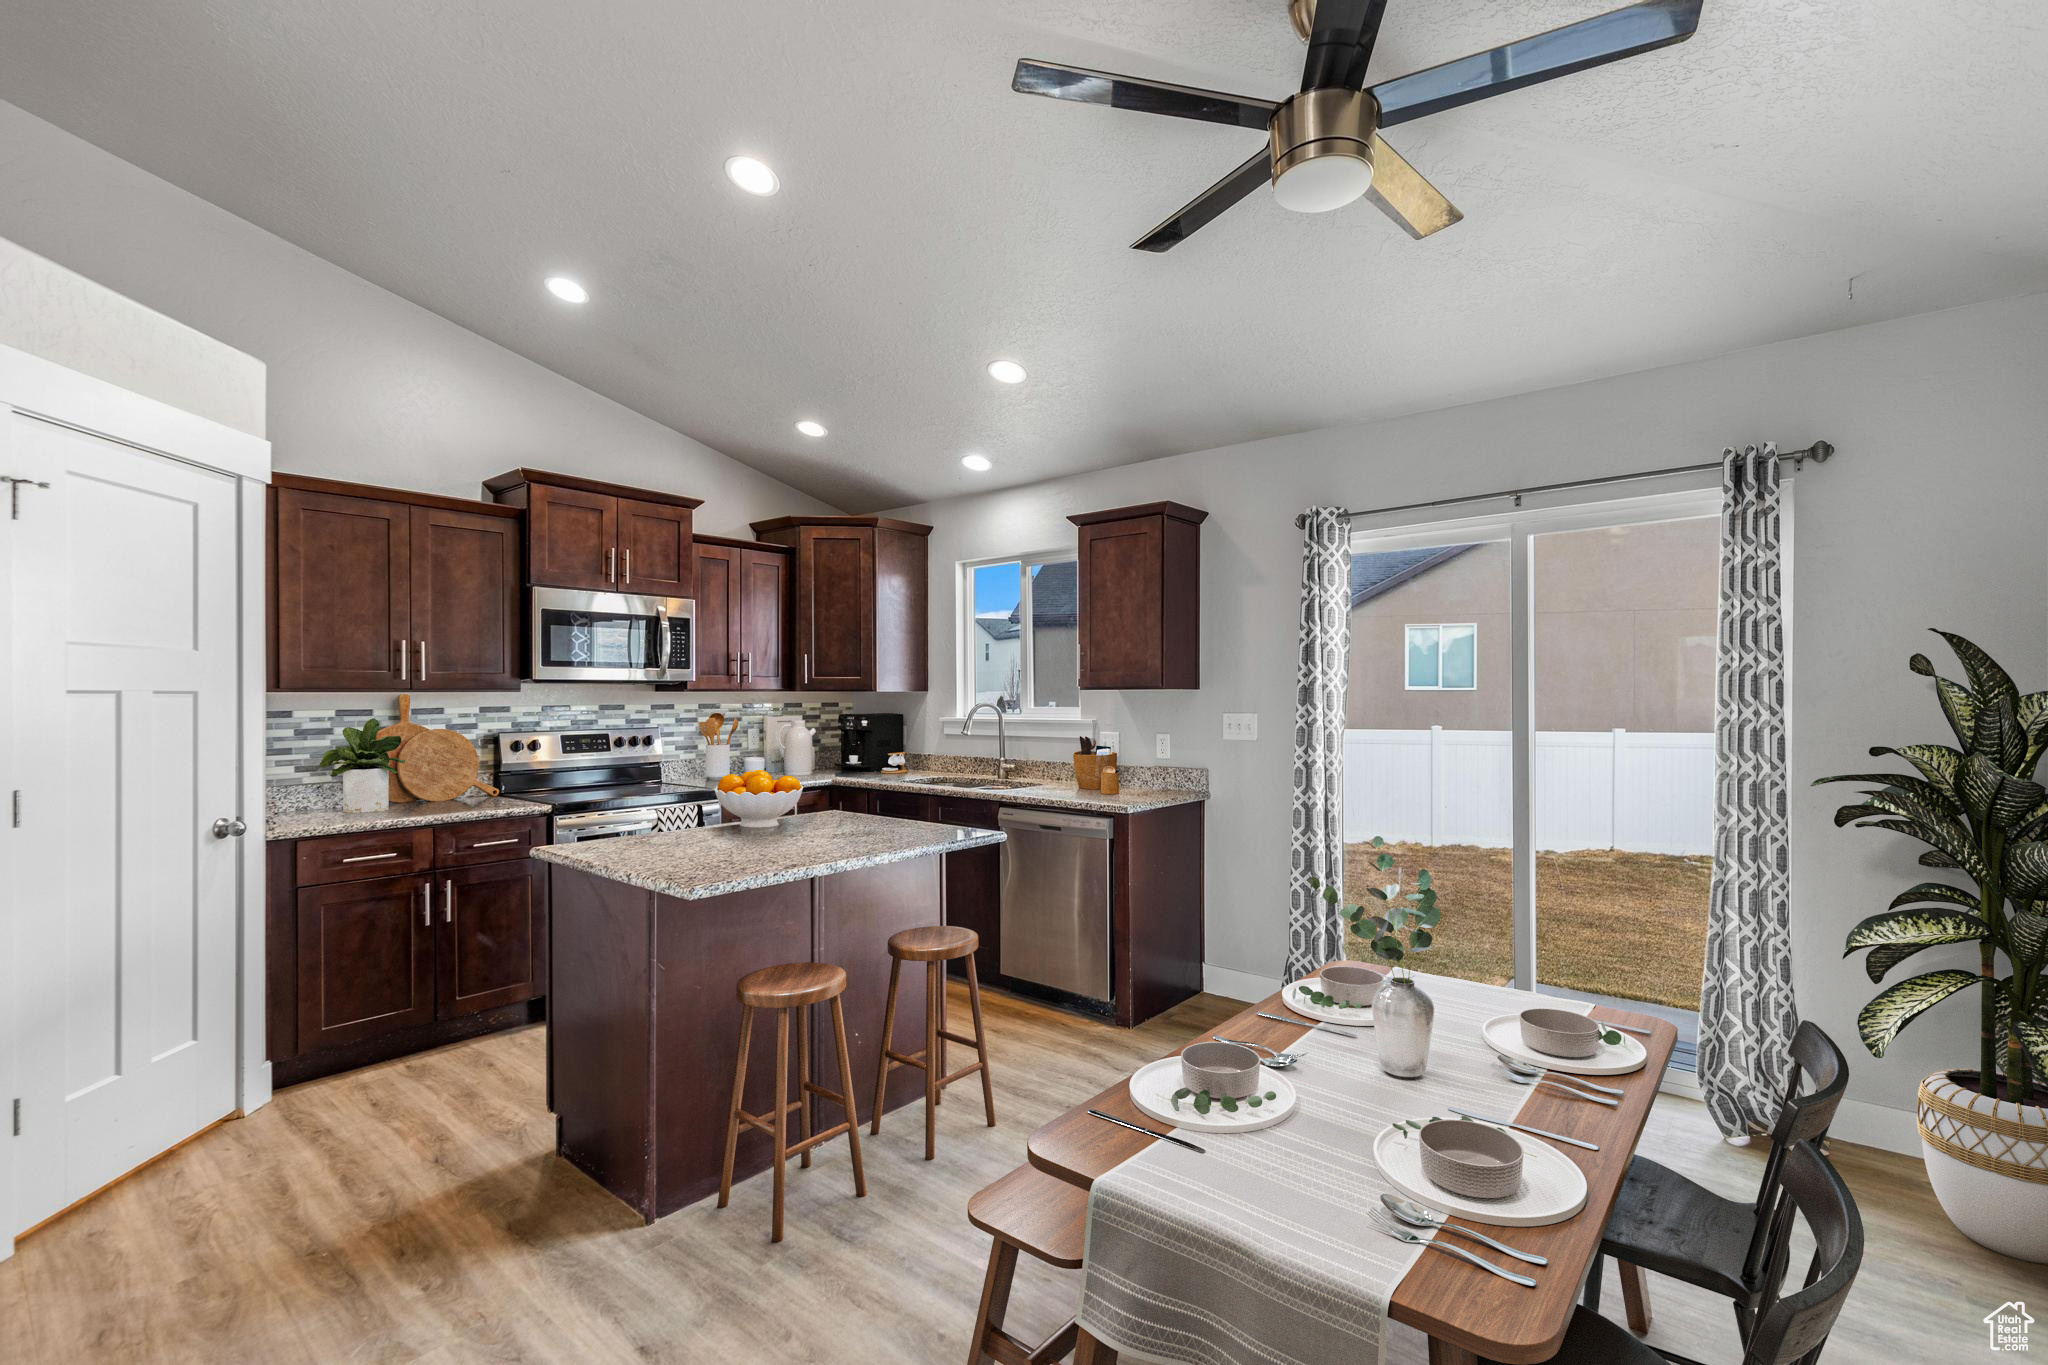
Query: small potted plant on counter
[[364, 761]]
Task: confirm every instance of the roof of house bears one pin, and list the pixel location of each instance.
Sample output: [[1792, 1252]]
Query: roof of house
[[998, 627], [1384, 570], [1055, 592]]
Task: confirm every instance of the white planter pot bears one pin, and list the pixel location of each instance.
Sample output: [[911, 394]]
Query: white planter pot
[[1988, 1162], [364, 790]]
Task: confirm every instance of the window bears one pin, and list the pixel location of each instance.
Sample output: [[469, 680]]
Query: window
[[1443, 658], [1021, 628]]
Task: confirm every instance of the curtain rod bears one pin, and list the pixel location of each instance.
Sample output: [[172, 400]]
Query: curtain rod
[[1820, 452]]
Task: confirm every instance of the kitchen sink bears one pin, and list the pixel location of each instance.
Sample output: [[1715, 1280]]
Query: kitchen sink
[[978, 783]]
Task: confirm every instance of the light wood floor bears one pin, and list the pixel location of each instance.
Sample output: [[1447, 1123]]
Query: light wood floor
[[415, 1211]]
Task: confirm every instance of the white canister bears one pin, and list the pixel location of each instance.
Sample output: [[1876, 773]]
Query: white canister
[[799, 750], [717, 760], [365, 790]]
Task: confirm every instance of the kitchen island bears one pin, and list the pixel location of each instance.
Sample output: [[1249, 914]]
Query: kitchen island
[[650, 936]]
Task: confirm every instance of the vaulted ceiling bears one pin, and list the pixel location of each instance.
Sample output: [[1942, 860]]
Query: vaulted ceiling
[[1798, 166]]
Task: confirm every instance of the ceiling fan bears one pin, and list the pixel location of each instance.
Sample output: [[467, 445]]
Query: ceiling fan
[[1324, 148]]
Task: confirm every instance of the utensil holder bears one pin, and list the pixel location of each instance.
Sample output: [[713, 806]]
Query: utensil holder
[[1087, 772], [717, 760]]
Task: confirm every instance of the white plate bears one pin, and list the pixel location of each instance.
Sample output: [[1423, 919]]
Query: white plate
[[1553, 1187], [1152, 1091], [1291, 996], [1503, 1033]]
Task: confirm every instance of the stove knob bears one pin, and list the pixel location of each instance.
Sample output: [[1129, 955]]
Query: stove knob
[[618, 742], [634, 740], [516, 746]]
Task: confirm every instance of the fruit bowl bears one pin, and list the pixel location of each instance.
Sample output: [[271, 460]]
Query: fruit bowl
[[758, 810]]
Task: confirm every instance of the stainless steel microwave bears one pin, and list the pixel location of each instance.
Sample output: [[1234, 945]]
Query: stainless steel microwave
[[612, 637]]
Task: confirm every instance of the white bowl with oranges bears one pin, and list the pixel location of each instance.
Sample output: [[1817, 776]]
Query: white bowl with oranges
[[758, 799]]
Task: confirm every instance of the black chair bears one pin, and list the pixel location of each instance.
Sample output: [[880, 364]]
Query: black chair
[[1664, 1222], [1790, 1330]]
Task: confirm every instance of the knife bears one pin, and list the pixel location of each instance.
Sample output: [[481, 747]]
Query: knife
[[1302, 1023], [1137, 1128], [1524, 1128]]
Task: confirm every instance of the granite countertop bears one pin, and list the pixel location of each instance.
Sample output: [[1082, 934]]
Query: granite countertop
[[311, 824], [696, 864], [1057, 795]]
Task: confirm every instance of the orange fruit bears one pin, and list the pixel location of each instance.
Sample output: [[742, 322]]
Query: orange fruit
[[788, 784], [731, 783], [759, 783]]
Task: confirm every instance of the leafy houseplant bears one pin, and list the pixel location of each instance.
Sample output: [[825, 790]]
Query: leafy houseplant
[[1416, 913], [363, 760]]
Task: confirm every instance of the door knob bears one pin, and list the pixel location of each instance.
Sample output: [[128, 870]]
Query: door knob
[[229, 828]]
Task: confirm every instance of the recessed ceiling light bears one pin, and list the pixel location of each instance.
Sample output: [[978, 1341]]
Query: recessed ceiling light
[[810, 428], [1006, 371], [567, 290], [750, 175], [978, 463]]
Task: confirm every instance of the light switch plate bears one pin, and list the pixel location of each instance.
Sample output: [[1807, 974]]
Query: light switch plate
[[1162, 746], [1240, 725]]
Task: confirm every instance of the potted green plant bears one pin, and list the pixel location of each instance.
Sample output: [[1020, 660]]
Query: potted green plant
[[1981, 814], [1402, 1015], [364, 761]]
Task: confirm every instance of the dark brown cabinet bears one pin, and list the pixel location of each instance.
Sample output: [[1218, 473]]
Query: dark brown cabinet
[[974, 885], [493, 945], [742, 615], [860, 602], [381, 590], [583, 533], [1140, 597], [366, 960]]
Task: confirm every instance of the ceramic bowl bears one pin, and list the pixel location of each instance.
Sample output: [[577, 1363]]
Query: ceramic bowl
[[1352, 983], [1471, 1159], [1223, 1069], [1560, 1033], [757, 810]]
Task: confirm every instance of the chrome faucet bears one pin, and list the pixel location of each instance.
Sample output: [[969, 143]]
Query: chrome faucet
[[1002, 735]]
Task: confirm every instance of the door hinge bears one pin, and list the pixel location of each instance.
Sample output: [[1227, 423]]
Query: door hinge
[[14, 483]]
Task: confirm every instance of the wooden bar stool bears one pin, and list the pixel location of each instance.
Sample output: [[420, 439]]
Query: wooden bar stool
[[793, 986], [935, 946], [1044, 1216]]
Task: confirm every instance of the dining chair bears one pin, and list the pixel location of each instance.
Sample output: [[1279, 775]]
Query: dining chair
[[1790, 1329], [1665, 1222]]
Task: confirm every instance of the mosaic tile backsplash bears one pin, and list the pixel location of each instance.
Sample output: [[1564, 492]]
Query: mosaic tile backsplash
[[297, 730]]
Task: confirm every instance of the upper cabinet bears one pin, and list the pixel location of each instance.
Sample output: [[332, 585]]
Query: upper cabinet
[[742, 615], [1141, 596], [581, 533], [860, 604], [380, 590]]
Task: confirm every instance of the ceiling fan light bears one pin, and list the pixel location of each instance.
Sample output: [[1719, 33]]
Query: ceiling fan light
[[1323, 180], [1322, 148]]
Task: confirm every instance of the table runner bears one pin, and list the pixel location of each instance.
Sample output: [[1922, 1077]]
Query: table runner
[[1263, 1249]]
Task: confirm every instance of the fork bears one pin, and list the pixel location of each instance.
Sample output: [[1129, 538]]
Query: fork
[[1385, 1224], [1520, 1078], [1279, 1061]]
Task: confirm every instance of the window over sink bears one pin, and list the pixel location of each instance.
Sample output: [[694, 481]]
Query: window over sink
[[1019, 628]]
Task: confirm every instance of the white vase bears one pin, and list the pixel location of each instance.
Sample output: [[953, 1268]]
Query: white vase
[[364, 790], [1988, 1163]]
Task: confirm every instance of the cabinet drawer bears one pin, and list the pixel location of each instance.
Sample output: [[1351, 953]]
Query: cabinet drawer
[[488, 841], [355, 857], [812, 799]]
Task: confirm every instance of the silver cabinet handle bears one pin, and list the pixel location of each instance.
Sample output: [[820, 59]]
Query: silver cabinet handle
[[404, 659], [493, 843], [423, 660], [807, 666], [369, 857], [228, 827], [746, 665], [427, 903], [447, 901], [629, 565], [611, 564]]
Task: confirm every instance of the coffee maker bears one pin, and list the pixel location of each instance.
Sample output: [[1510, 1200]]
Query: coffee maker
[[867, 739]]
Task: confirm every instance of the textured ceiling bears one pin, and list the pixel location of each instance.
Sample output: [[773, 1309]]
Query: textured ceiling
[[1798, 166]]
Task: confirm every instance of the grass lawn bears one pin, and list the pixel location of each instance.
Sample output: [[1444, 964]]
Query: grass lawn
[[1627, 924]]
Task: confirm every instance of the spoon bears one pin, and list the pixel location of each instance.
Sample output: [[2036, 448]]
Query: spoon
[[1416, 1216], [1522, 1078], [1521, 1068], [1279, 1061]]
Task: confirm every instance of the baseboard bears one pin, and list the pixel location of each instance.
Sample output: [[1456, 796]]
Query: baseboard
[[1233, 984], [1877, 1125]]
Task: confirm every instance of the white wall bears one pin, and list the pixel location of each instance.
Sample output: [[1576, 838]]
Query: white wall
[[1932, 514], [362, 384]]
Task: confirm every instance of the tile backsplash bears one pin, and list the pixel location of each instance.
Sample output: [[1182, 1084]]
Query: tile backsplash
[[298, 729]]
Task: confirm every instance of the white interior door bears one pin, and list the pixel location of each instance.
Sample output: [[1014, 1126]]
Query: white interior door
[[124, 655]]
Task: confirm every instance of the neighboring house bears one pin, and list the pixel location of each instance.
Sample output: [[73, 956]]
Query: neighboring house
[[1055, 633], [998, 661], [1625, 626]]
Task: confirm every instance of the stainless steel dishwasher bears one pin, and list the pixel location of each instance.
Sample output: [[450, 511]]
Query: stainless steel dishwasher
[[1055, 913]]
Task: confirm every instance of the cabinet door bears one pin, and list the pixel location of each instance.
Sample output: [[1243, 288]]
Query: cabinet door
[[572, 538], [1121, 605], [763, 616], [902, 805], [344, 593], [366, 960], [717, 631], [654, 550], [465, 601], [974, 885], [492, 922], [835, 612], [849, 798]]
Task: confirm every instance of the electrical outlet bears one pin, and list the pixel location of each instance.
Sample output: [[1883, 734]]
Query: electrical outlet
[[1162, 746], [1108, 739], [1240, 725]]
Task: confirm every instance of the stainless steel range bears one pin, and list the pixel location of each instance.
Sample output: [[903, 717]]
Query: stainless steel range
[[602, 784]]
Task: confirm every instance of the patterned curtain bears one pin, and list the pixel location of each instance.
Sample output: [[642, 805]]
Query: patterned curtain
[[1318, 834], [1747, 1016]]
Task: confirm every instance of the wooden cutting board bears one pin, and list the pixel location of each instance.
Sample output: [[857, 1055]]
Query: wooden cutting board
[[439, 765], [404, 730]]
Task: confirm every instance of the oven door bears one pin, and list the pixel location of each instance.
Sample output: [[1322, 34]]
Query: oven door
[[603, 824], [611, 637]]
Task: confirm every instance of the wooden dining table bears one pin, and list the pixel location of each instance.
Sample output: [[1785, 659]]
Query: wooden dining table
[[1466, 1313]]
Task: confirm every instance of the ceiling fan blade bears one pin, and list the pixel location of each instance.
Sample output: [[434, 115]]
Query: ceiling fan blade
[[1403, 195], [1560, 52], [1205, 207], [1147, 97], [1341, 43]]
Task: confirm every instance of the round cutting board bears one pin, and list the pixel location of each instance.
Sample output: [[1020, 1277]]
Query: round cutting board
[[1152, 1091], [1553, 1187], [1503, 1033], [402, 732], [438, 765], [1359, 1016]]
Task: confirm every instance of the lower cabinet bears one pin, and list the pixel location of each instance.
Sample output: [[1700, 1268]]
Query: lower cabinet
[[974, 886], [492, 948], [366, 959], [850, 798]]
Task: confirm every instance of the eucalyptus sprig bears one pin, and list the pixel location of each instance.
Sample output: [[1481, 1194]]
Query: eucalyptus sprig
[[1415, 913], [1203, 1100]]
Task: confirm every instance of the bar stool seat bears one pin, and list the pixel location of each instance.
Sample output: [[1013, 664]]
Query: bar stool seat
[[792, 986], [1042, 1216], [934, 945]]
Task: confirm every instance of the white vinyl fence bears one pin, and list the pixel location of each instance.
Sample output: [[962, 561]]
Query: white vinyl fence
[[1607, 789]]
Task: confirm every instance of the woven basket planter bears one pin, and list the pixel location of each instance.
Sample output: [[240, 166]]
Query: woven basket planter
[[1988, 1162]]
